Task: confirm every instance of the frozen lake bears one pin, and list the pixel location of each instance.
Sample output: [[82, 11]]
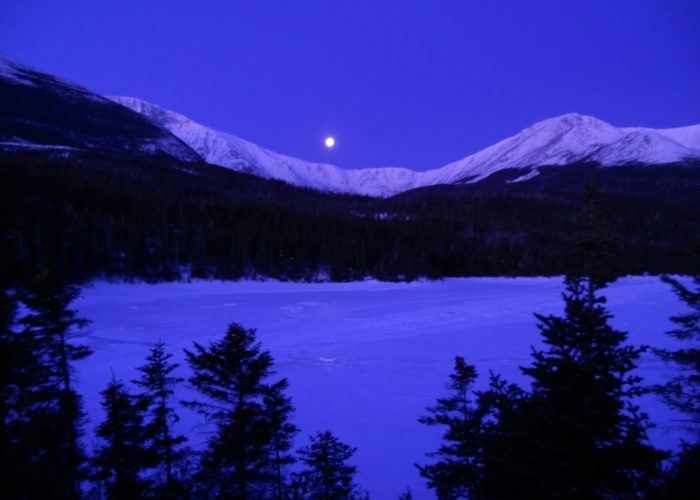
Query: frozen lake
[[363, 359]]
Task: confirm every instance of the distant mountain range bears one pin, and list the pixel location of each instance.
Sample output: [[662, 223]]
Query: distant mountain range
[[93, 188], [40, 111], [564, 140]]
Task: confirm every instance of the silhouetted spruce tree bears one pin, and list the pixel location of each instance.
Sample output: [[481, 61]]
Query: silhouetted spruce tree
[[279, 409], [579, 433], [503, 441], [326, 474], [8, 312], [163, 443], [11, 363], [239, 461], [27, 410], [587, 437], [120, 463], [457, 473], [480, 440], [55, 409], [682, 392]]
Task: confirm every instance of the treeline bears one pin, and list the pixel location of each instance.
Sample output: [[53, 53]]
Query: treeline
[[103, 217], [139, 453], [576, 432]]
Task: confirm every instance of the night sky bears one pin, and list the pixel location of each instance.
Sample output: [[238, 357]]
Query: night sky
[[406, 83]]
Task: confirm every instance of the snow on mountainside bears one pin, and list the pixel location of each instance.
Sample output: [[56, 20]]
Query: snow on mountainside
[[685, 136], [557, 141], [573, 138], [41, 111], [229, 151], [641, 146]]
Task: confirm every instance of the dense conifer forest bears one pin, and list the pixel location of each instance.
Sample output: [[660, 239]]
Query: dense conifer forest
[[92, 216], [576, 433]]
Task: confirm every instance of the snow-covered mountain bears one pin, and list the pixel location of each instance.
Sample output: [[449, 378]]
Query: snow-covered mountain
[[39, 111], [226, 150], [561, 140]]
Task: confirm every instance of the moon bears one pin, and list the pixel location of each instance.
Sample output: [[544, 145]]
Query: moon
[[330, 142]]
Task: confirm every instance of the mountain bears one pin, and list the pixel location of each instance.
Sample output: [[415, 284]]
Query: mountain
[[90, 188], [43, 112], [563, 140], [645, 146], [226, 150]]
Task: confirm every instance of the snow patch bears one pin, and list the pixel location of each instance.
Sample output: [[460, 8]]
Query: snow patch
[[36, 147], [532, 173]]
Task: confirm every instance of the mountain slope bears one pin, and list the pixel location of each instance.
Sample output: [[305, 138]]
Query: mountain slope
[[229, 151], [40, 111], [641, 146], [563, 140]]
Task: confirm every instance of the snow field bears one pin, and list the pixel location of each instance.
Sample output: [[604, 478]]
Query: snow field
[[363, 359]]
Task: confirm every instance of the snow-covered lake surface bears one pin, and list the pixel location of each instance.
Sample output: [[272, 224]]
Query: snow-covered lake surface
[[363, 359]]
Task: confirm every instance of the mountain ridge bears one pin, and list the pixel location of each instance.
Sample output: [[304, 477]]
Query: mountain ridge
[[562, 140], [44, 112]]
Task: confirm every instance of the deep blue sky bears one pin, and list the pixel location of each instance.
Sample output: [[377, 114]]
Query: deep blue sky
[[399, 83]]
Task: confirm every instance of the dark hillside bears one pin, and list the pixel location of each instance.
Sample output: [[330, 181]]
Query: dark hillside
[[40, 109], [97, 216]]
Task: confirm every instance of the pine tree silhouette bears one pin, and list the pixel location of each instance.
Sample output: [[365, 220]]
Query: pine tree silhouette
[[682, 392], [164, 444], [580, 433], [480, 440], [326, 474], [457, 472], [587, 436], [123, 458], [279, 409], [53, 405], [240, 458], [577, 433], [15, 359]]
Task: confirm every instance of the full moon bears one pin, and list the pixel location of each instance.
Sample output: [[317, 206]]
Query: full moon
[[330, 142]]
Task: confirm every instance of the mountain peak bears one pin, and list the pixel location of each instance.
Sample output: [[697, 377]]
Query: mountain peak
[[574, 117], [575, 123]]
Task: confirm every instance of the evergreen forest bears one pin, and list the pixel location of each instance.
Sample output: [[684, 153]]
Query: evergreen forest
[[93, 216], [574, 433]]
